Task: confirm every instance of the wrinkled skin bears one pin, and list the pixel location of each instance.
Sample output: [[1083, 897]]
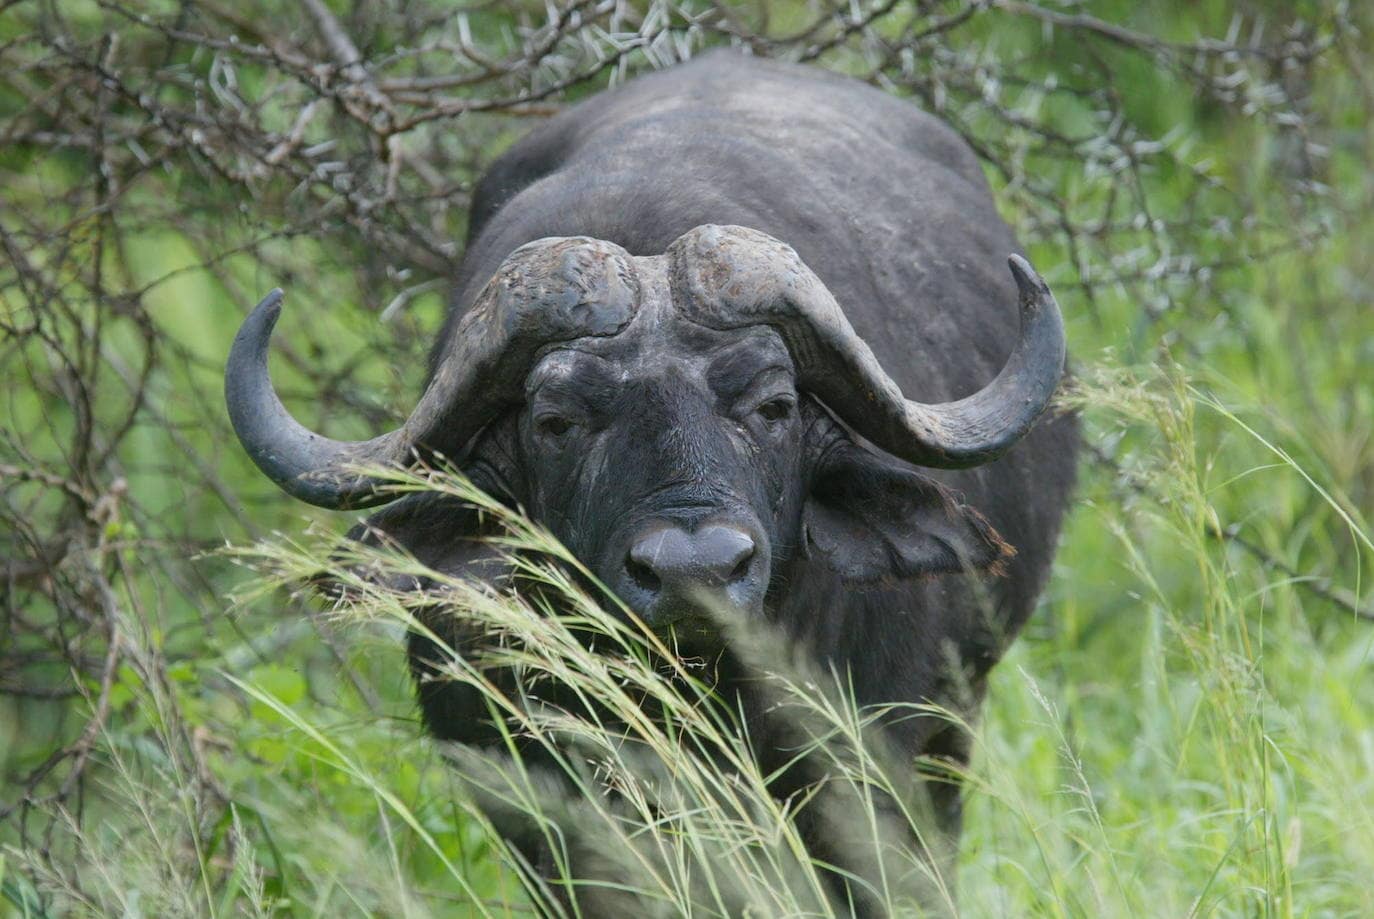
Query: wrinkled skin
[[676, 427], [642, 450], [630, 447]]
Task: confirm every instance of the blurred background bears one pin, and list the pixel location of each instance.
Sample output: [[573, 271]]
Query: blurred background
[[1185, 728]]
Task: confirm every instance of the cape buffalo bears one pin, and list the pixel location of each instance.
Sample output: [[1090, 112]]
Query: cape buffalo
[[741, 330]]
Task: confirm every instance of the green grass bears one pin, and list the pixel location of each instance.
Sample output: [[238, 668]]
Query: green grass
[[1178, 734], [1185, 728]]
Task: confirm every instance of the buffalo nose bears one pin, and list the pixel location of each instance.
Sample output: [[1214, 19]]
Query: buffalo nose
[[672, 561]]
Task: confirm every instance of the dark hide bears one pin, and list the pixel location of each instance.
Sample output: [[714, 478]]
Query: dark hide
[[913, 582]]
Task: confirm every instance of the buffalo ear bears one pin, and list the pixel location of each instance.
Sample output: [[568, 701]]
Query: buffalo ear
[[449, 537], [442, 532], [874, 520], [452, 538]]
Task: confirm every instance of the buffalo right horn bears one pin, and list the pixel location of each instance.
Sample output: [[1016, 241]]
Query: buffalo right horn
[[552, 289], [738, 276]]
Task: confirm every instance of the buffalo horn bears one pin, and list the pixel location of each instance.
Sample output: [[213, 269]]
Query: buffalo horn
[[739, 276], [549, 290]]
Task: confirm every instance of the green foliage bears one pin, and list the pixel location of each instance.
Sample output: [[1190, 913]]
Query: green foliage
[[1185, 728]]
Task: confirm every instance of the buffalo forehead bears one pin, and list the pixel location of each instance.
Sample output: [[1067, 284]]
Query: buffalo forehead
[[724, 360], [665, 329]]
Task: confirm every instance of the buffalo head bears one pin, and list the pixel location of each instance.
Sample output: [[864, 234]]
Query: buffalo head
[[683, 421]]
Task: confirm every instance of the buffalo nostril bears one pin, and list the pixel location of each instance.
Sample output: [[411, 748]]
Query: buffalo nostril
[[643, 575], [651, 558], [741, 569], [724, 553]]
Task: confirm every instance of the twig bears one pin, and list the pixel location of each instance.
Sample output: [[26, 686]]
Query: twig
[[1315, 584]]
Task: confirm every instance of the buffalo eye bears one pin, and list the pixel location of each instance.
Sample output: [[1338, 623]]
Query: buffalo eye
[[554, 425], [775, 410]]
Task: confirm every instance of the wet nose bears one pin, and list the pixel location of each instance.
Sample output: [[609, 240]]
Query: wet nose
[[671, 570], [674, 561]]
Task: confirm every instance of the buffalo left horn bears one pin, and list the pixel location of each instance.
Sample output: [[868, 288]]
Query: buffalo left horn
[[738, 276], [549, 290]]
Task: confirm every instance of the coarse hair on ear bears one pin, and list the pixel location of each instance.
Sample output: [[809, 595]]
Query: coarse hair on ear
[[440, 530], [877, 520], [452, 539]]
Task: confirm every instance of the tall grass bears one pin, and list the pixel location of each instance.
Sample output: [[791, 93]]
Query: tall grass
[[1175, 753], [643, 788], [1191, 752], [1183, 729]]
